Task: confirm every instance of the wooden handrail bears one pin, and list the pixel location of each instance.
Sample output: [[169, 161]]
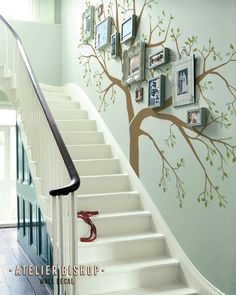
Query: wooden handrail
[[75, 179]]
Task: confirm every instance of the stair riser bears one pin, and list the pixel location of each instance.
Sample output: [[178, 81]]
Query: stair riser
[[109, 204], [127, 280], [90, 152], [83, 138], [113, 226], [82, 125], [63, 104], [97, 185], [70, 114], [101, 167], [122, 251]]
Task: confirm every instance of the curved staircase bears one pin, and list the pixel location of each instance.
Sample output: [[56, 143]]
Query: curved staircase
[[130, 251]]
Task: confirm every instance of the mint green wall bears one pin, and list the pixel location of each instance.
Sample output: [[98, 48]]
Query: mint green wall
[[42, 43], [207, 235]]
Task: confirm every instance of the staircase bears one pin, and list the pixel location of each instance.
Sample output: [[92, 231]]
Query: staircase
[[129, 249], [134, 250]]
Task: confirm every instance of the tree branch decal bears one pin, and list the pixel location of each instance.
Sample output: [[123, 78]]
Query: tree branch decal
[[207, 151]]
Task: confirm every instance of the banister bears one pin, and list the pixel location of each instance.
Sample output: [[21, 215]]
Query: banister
[[75, 179]]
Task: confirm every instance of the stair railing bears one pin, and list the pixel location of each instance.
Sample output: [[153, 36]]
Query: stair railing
[[50, 162]]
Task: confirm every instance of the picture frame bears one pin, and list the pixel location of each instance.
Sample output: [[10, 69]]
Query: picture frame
[[156, 91], [115, 45], [133, 66], [183, 81], [100, 10], [139, 94], [197, 117], [159, 58], [103, 33], [128, 29], [88, 23]]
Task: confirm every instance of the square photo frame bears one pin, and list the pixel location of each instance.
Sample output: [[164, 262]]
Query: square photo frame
[[156, 91], [197, 117], [183, 81], [133, 66], [115, 45], [88, 23], [128, 29], [103, 33], [158, 58]]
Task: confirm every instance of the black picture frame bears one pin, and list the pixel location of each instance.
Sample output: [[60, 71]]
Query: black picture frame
[[156, 91]]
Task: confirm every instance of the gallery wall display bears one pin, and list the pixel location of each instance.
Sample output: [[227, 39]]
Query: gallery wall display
[[103, 33], [158, 58], [156, 91], [197, 117], [88, 23], [115, 45], [139, 94], [183, 81], [133, 66], [128, 29]]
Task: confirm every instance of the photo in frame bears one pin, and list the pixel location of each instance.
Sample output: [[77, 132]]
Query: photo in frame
[[128, 29], [183, 81], [156, 91], [103, 33], [133, 66], [197, 117], [158, 58], [139, 94], [115, 45], [100, 10], [88, 23]]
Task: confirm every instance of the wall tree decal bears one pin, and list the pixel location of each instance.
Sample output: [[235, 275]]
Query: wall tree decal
[[217, 149]]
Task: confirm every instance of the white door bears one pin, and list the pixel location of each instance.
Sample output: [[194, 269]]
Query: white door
[[7, 175]]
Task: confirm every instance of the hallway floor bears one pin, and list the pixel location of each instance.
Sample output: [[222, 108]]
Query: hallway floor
[[11, 254]]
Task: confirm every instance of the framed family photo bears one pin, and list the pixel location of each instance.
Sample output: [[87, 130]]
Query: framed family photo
[[103, 33], [197, 117], [133, 66], [183, 81], [139, 94], [88, 23], [128, 29], [156, 91], [158, 58]]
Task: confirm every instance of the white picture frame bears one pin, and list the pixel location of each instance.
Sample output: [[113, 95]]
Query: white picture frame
[[103, 33], [183, 81]]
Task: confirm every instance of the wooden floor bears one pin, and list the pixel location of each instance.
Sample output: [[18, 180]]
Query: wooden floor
[[11, 254]]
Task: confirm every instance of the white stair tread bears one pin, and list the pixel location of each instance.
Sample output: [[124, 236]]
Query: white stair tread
[[122, 214], [136, 264], [120, 239], [173, 289], [108, 194]]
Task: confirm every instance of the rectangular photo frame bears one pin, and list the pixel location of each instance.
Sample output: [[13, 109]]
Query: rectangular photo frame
[[128, 29], [103, 33], [183, 81], [115, 45], [139, 94], [197, 117], [88, 23], [158, 58], [156, 91], [133, 66]]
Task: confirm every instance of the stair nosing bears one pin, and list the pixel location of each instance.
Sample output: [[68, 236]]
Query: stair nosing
[[159, 262], [123, 239], [132, 193]]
